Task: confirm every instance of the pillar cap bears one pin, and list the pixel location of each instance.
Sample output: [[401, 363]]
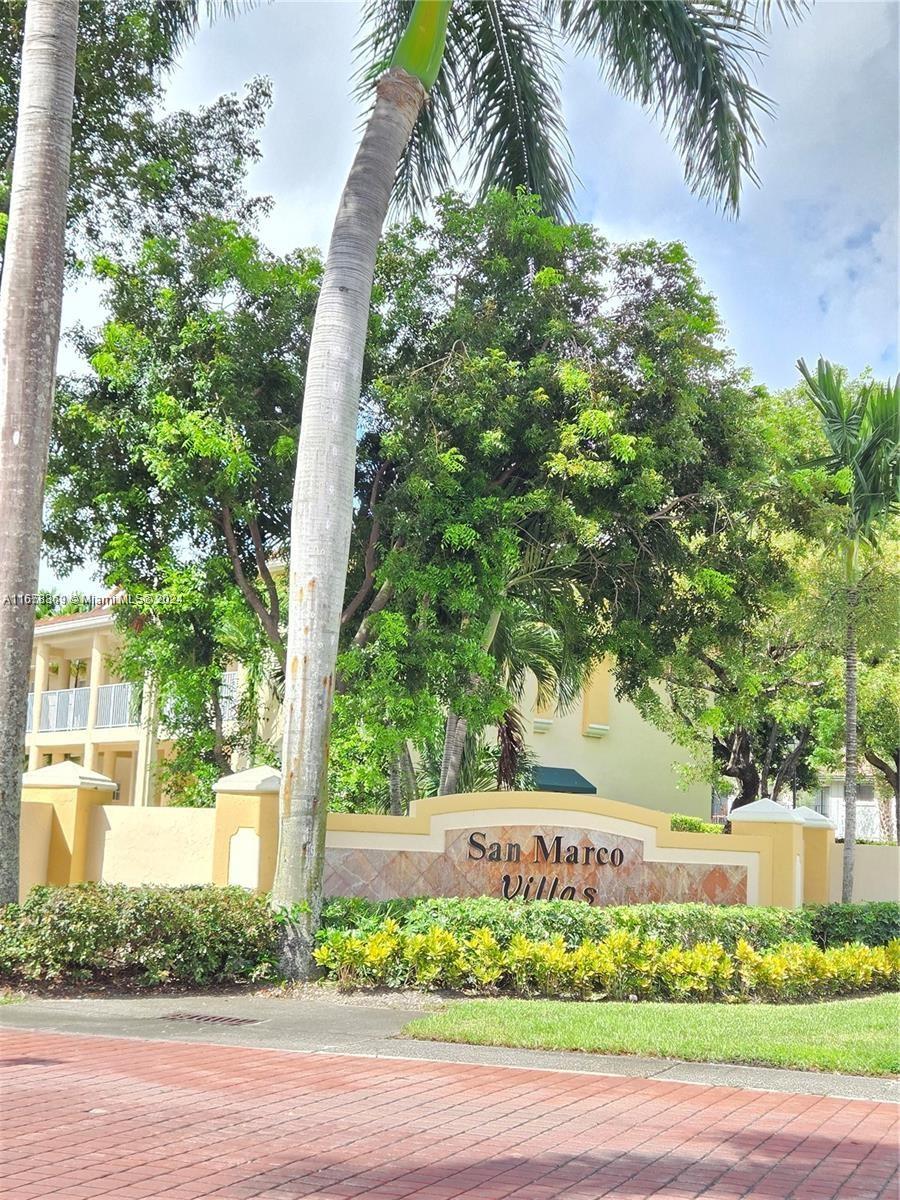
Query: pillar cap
[[68, 774], [253, 780], [811, 817], [765, 810]]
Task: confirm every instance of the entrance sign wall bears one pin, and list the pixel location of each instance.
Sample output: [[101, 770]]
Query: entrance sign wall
[[527, 845], [533, 846]]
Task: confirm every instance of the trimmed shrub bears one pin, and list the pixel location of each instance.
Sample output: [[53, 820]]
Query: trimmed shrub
[[146, 935], [871, 922], [619, 966], [575, 921], [682, 823]]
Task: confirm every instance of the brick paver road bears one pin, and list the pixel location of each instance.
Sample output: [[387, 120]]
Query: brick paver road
[[91, 1117]]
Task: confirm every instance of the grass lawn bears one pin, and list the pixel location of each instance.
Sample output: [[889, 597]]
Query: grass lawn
[[860, 1036]]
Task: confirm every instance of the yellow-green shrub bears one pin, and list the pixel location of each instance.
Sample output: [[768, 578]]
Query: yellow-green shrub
[[619, 966]]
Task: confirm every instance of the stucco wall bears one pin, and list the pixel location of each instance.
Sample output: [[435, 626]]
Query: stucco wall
[[34, 845], [168, 846], [632, 763], [876, 873]]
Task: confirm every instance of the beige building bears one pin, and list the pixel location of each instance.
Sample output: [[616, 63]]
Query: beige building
[[79, 710]]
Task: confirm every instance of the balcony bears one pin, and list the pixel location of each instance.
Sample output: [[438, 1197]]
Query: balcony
[[64, 709], [116, 706], [228, 697], [67, 708]]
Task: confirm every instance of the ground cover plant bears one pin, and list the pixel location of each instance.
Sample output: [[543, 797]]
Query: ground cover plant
[[858, 1036], [620, 966]]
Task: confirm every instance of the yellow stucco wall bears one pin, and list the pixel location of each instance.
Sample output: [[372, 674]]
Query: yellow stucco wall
[[632, 763], [876, 874], [256, 813], [34, 845], [168, 846], [818, 846]]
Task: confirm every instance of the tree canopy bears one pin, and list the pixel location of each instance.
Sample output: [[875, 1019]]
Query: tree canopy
[[557, 460]]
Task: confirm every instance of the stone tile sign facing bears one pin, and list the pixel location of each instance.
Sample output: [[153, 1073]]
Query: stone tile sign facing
[[528, 862]]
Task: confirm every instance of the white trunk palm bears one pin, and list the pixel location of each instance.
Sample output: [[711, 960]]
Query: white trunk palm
[[323, 507], [30, 310]]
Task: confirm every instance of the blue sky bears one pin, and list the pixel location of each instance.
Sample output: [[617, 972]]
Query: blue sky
[[811, 265]]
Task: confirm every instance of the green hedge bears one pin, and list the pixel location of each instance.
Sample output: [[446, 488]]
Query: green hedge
[[872, 922], [682, 823], [205, 935], [575, 921], [619, 967], [147, 935]]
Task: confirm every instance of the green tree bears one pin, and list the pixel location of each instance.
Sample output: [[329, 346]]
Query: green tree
[[688, 63], [127, 164], [861, 427], [879, 727], [167, 467], [560, 455]]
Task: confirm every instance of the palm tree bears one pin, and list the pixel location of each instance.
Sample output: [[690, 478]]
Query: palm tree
[[539, 629], [30, 313], [488, 70], [31, 290], [861, 427]]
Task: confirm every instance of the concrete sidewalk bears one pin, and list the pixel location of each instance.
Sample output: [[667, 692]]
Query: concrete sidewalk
[[362, 1025]]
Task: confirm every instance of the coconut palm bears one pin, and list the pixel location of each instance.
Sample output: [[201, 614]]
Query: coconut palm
[[30, 313], [861, 427], [31, 289], [488, 70]]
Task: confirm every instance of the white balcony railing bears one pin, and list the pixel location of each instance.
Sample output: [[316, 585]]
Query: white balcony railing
[[66, 708], [228, 697], [29, 719], [116, 706]]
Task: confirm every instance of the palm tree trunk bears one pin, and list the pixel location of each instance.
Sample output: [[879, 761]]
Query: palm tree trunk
[[396, 788], [449, 729], [323, 510], [30, 312], [408, 774], [457, 743], [455, 739], [850, 752]]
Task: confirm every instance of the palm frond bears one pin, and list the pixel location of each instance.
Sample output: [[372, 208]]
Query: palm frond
[[178, 20], [862, 428], [690, 63], [494, 114], [515, 131]]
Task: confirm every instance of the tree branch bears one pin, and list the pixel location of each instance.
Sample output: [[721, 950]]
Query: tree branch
[[891, 774], [264, 573], [789, 764], [369, 561], [248, 591], [662, 513]]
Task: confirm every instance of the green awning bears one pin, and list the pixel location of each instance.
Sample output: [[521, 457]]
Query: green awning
[[561, 779]]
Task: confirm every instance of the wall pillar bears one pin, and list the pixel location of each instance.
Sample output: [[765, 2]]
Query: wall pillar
[[41, 663], [74, 793], [818, 847], [95, 667], [146, 751], [784, 830], [246, 837]]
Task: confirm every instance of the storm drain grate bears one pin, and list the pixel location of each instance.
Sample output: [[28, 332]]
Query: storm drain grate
[[208, 1019]]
